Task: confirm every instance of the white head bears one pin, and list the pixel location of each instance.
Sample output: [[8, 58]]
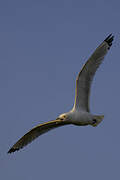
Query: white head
[[63, 116]]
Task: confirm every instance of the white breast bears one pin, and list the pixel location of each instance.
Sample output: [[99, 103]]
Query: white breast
[[80, 117]]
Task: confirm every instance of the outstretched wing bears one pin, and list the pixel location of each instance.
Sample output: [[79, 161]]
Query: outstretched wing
[[85, 77], [35, 132]]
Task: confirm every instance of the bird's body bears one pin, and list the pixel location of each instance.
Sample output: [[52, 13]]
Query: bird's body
[[78, 117], [81, 118], [80, 114]]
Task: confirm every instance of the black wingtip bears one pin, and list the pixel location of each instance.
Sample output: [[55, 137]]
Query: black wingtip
[[12, 150], [109, 39]]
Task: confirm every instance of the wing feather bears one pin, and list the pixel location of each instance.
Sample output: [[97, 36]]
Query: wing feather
[[85, 77], [36, 132]]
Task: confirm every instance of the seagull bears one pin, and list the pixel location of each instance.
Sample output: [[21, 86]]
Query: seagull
[[80, 114]]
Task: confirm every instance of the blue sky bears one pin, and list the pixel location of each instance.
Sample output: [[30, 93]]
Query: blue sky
[[43, 47]]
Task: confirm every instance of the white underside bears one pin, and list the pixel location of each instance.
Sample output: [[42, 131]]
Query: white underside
[[80, 117]]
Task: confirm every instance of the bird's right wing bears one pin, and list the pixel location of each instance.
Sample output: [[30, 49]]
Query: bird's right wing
[[85, 77], [35, 132]]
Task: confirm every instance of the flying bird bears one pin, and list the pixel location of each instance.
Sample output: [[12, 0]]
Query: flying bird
[[80, 114]]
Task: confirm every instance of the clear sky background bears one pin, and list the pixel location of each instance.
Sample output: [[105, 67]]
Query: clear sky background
[[43, 45]]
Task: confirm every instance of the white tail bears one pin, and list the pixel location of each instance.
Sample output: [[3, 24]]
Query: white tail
[[98, 119]]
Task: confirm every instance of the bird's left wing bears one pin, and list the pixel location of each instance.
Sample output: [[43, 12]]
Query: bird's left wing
[[85, 77], [35, 132]]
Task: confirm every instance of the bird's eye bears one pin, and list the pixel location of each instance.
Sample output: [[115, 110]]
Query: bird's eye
[[63, 117]]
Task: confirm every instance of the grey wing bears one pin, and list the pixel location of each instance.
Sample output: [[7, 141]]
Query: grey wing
[[35, 132], [85, 77]]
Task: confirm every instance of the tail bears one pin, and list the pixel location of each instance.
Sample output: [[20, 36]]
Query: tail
[[98, 119]]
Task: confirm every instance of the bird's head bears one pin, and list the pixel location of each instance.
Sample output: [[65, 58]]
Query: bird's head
[[63, 116]]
